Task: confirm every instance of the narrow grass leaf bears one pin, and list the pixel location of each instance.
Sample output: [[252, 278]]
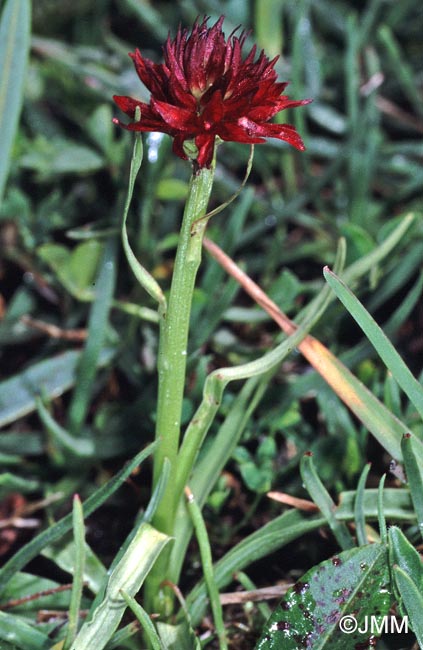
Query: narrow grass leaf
[[145, 621], [414, 473], [383, 531], [397, 505], [381, 343], [178, 637], [57, 530], [324, 502], [269, 538], [78, 572], [15, 31], [97, 328], [249, 585], [158, 492], [207, 566], [122, 635], [359, 515]]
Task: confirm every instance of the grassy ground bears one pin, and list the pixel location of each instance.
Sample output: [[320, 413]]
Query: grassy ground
[[360, 175]]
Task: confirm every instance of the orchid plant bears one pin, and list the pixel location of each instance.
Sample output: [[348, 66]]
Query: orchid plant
[[205, 93]]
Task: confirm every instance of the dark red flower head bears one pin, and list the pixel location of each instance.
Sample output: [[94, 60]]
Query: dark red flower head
[[206, 89]]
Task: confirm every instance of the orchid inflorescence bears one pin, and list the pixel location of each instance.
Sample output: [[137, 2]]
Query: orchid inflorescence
[[206, 89]]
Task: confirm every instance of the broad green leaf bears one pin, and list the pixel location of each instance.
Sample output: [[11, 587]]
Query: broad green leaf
[[15, 30], [353, 584]]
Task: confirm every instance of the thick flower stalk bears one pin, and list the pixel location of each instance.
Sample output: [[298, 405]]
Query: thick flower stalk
[[206, 89]]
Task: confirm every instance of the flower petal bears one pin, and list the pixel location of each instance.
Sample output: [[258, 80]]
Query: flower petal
[[179, 118]]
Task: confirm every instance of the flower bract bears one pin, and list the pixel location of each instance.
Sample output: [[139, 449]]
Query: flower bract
[[206, 88]]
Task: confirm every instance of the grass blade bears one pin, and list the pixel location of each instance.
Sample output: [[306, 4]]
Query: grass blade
[[78, 572], [324, 502], [266, 540], [97, 326], [381, 343], [145, 621], [359, 516], [414, 473], [207, 565], [15, 30]]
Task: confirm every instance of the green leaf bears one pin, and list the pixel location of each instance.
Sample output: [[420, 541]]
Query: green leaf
[[267, 539], [77, 571], [97, 328], [28, 584], [178, 637], [11, 483], [21, 634], [63, 555], [414, 472], [381, 343], [413, 601], [15, 30], [76, 269], [128, 576], [324, 502], [207, 567], [145, 620], [354, 584], [405, 556], [171, 189], [52, 377]]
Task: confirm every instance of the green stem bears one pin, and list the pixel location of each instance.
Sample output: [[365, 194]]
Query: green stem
[[172, 358], [174, 323]]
